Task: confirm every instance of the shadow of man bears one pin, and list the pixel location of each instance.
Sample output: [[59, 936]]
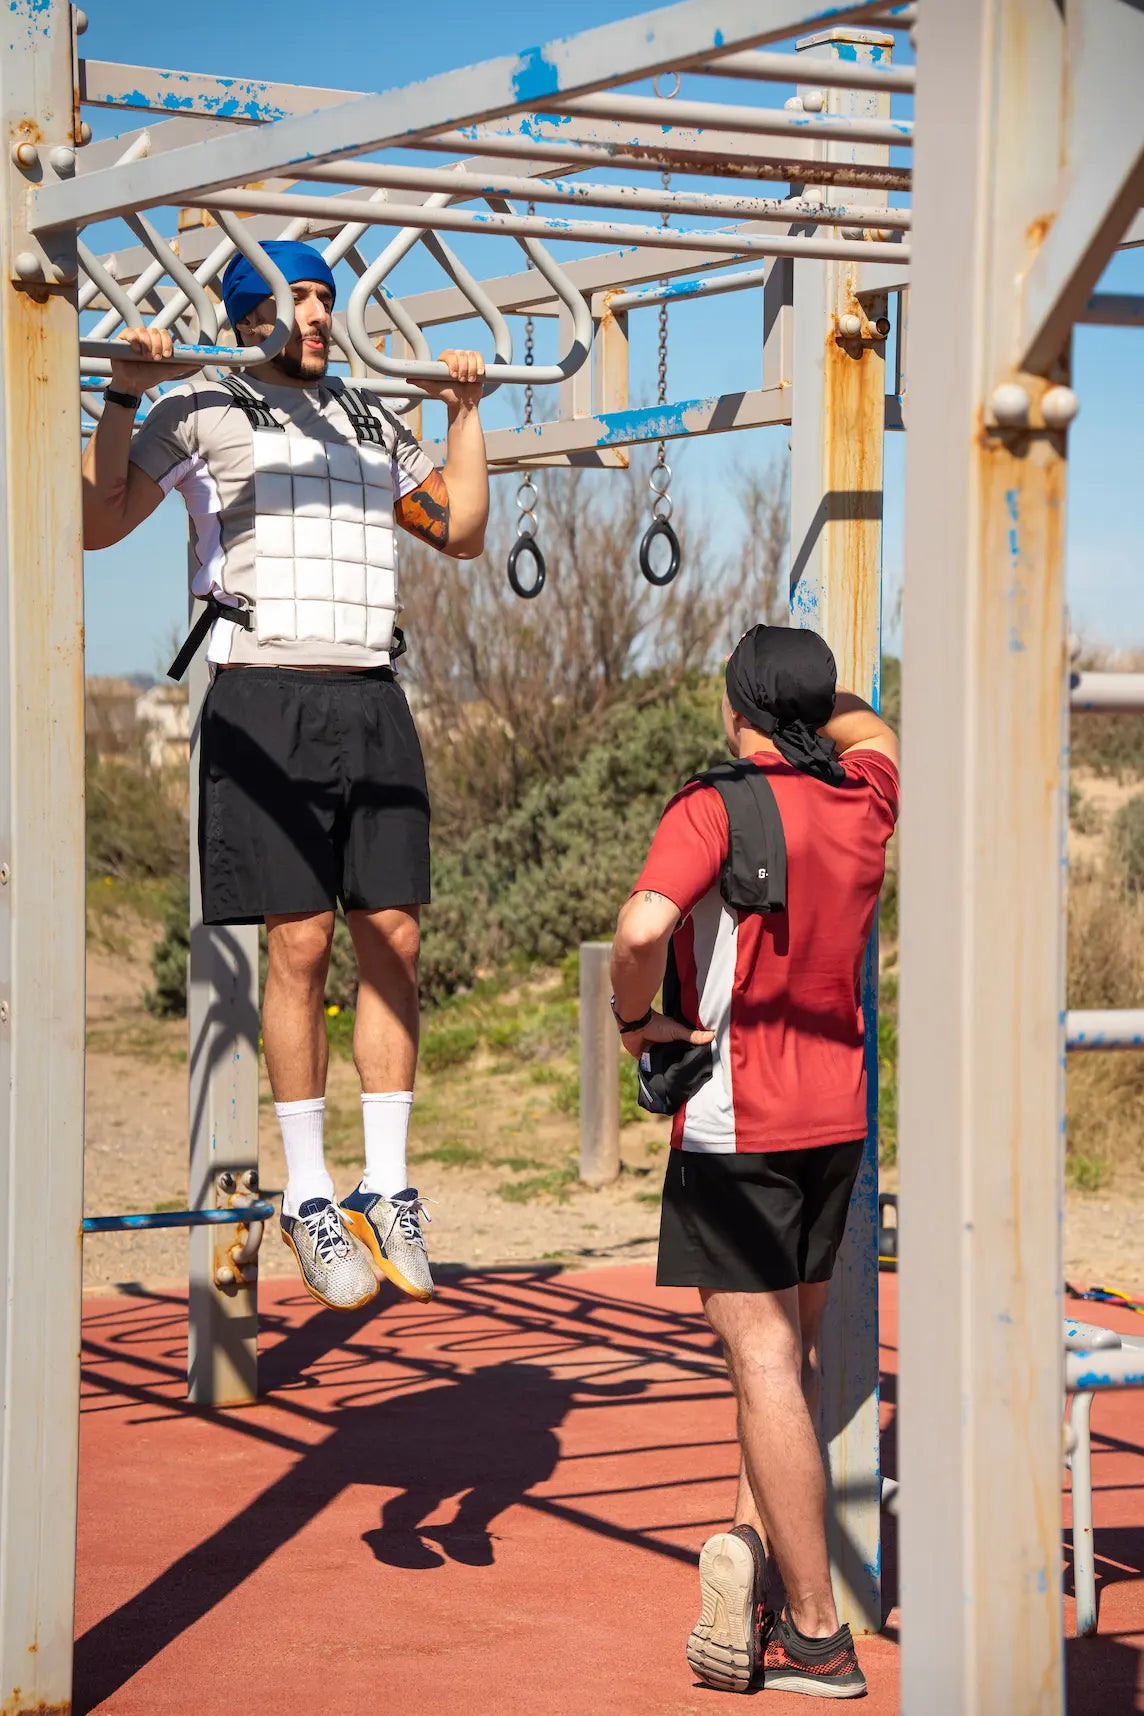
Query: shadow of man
[[488, 1437]]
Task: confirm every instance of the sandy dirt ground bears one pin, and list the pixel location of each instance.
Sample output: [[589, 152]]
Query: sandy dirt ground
[[489, 1142]]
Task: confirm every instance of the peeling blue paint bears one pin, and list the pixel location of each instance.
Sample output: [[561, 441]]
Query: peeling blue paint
[[535, 76]]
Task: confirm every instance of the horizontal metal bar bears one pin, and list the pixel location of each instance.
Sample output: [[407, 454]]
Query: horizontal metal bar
[[551, 228], [1088, 1337], [240, 101], [1107, 691], [1114, 310], [650, 148], [830, 74], [260, 1211], [714, 116], [667, 292], [635, 47], [1123, 1367], [1105, 1028], [633, 428], [788, 210]]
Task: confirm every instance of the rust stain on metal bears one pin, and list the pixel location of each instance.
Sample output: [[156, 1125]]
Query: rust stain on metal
[[15, 1706], [854, 394], [1038, 230], [28, 131]]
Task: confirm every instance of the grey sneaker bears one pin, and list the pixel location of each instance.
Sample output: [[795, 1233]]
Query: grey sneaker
[[724, 1647], [333, 1268], [390, 1230]]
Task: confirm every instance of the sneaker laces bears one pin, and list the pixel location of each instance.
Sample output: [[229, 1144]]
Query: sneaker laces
[[331, 1241], [409, 1210]]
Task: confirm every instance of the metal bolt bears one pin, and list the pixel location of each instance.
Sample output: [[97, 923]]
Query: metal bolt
[[27, 266], [882, 327], [225, 1181], [1059, 406], [793, 104], [850, 326], [1010, 405], [80, 22], [65, 269], [813, 101], [250, 1179], [853, 232], [224, 1277], [879, 234], [24, 154], [63, 161], [3, 1012], [84, 133]]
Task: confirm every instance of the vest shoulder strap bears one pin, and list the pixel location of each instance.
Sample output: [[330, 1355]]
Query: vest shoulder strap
[[368, 425], [754, 873], [256, 410]]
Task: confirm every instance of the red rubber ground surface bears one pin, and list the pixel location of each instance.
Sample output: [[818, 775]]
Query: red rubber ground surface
[[238, 1561]]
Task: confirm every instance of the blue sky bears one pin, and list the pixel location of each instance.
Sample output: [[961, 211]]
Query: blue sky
[[136, 592]]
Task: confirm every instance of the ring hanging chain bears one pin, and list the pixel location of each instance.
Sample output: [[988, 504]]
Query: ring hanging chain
[[526, 546], [659, 482], [529, 347]]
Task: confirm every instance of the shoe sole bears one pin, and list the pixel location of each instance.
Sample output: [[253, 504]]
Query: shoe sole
[[721, 1648], [362, 1231], [313, 1291], [790, 1680]]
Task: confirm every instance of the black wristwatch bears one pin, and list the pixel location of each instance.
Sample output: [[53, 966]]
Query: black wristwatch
[[627, 1025], [129, 401]]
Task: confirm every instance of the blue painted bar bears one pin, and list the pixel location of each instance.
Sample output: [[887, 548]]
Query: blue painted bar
[[260, 1211]]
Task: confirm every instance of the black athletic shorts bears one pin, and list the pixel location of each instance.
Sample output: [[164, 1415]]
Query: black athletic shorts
[[311, 790], [757, 1222]]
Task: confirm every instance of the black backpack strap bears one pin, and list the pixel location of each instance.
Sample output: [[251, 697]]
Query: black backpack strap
[[367, 424], [754, 874], [258, 414]]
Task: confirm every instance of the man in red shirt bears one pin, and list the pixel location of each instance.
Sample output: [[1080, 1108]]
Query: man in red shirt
[[767, 1144]]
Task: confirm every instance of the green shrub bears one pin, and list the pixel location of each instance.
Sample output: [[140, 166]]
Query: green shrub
[[449, 1047], [1128, 842], [630, 1109], [169, 958], [1107, 744], [136, 822]]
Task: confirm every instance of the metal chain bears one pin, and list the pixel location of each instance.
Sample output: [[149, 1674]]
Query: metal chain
[[528, 347], [660, 477]]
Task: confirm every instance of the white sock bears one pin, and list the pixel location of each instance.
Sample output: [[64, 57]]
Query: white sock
[[302, 1125], [385, 1116]]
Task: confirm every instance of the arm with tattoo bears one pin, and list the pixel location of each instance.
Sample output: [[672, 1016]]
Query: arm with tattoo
[[425, 512]]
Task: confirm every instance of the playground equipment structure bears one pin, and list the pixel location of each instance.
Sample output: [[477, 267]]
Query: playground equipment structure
[[1023, 174]]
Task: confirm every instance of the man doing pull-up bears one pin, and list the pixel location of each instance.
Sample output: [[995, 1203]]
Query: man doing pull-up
[[312, 781]]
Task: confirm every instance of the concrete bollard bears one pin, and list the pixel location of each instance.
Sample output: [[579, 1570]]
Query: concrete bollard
[[599, 1068]]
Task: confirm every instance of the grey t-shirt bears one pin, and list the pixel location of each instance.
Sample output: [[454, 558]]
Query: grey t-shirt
[[197, 440]]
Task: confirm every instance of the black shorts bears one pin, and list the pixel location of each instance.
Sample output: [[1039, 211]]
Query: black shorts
[[758, 1222], [311, 791]]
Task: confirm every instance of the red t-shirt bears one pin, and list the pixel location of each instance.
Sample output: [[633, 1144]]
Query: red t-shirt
[[781, 990]]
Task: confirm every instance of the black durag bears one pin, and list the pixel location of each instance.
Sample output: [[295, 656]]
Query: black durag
[[782, 682]]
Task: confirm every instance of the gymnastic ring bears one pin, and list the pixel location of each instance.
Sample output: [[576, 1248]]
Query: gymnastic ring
[[526, 544], [659, 527]]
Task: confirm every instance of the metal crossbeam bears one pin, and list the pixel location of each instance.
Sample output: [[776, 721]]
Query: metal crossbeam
[[653, 42]]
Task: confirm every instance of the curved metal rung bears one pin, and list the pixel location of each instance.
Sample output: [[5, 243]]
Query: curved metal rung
[[537, 375], [177, 269], [478, 298], [198, 355]]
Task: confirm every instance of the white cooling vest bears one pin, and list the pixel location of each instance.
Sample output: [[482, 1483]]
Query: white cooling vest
[[325, 555]]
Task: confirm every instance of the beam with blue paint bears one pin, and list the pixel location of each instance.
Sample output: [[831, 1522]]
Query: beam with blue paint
[[240, 101], [241, 1213], [630, 48], [1105, 1028]]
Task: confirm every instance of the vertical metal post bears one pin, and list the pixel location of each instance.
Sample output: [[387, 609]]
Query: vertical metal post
[[222, 1016], [41, 883], [599, 1068], [836, 589], [984, 671]]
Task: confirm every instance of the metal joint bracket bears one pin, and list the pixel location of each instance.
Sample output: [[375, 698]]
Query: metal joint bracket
[[236, 1259], [39, 265]]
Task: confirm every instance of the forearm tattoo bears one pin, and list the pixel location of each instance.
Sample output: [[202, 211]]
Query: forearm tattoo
[[425, 512]]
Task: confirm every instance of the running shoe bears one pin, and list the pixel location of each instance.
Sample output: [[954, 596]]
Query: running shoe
[[822, 1668], [725, 1643], [333, 1268], [390, 1230]]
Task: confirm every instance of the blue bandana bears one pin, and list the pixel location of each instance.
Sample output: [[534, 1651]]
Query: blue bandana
[[243, 287]]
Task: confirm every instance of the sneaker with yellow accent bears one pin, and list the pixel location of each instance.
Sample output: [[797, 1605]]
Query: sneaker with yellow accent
[[822, 1668], [390, 1230], [334, 1269]]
